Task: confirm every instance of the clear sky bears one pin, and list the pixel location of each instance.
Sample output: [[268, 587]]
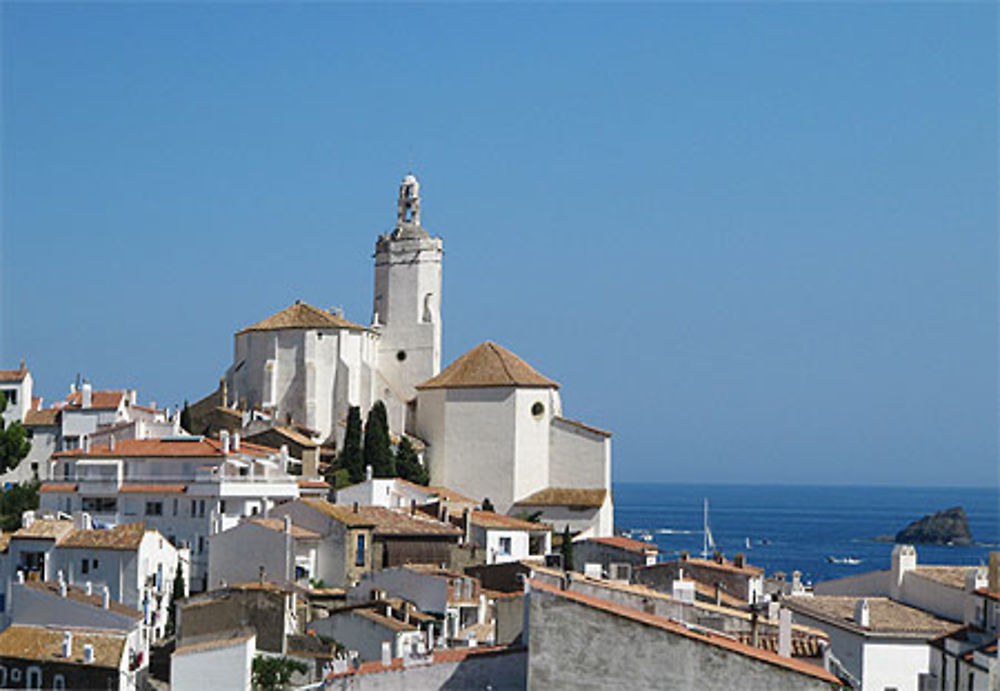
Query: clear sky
[[756, 241]]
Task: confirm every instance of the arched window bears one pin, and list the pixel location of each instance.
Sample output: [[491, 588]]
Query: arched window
[[58, 682], [34, 678]]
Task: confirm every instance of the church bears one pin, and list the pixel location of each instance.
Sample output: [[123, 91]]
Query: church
[[491, 425]]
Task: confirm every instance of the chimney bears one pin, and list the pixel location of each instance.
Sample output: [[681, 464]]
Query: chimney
[[224, 440], [994, 571], [738, 560], [404, 612], [282, 453], [62, 587], [86, 395], [717, 556], [467, 525], [288, 524], [444, 514], [67, 650], [785, 632], [862, 613], [796, 582], [106, 601], [368, 473], [27, 518], [86, 443], [111, 442], [224, 390], [386, 653], [23, 366], [88, 654], [20, 577], [718, 593], [89, 587], [236, 441]]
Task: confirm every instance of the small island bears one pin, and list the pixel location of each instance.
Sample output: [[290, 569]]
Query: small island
[[948, 527]]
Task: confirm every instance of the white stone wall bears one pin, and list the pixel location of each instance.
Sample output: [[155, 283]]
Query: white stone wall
[[428, 593], [894, 664], [356, 632], [226, 668], [491, 538], [238, 554], [407, 302], [579, 458], [531, 442]]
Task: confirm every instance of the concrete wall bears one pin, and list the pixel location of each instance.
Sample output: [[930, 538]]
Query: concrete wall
[[364, 635], [428, 593], [500, 671], [238, 555], [578, 458], [226, 668], [531, 442], [265, 611], [572, 645]]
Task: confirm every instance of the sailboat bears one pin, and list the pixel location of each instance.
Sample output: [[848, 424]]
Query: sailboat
[[708, 542]]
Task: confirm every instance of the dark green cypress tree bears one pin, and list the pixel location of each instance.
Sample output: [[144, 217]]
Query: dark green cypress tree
[[14, 444], [408, 466], [350, 457], [567, 550], [377, 451], [186, 417]]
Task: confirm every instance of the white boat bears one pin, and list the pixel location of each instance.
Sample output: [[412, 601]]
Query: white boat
[[707, 542], [848, 561], [748, 543]]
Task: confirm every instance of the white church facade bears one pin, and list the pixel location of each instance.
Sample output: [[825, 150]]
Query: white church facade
[[492, 426]]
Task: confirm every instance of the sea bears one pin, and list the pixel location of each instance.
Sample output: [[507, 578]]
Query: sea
[[803, 527]]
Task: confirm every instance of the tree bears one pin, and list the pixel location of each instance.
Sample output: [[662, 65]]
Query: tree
[[186, 417], [377, 451], [274, 673], [408, 466], [488, 505], [567, 549], [175, 594], [14, 444], [350, 458], [15, 501]]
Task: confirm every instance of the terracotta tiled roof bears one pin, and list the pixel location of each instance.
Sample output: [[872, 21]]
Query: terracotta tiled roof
[[153, 489], [302, 316], [724, 565], [580, 425], [446, 494], [438, 657], [46, 645], [626, 544], [100, 400], [124, 537], [488, 519], [7, 375], [313, 484], [58, 487], [951, 576], [987, 593], [44, 529], [342, 513], [278, 526], [559, 496], [80, 595], [885, 616], [802, 646], [488, 365], [167, 447], [704, 636], [381, 619], [401, 522], [48, 417], [237, 638]]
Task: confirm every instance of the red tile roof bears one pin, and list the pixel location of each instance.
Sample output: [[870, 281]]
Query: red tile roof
[[302, 316], [49, 417], [704, 636], [438, 657], [168, 447], [58, 487], [7, 375], [564, 496], [127, 537], [485, 366], [313, 484], [746, 569], [626, 544], [154, 489], [100, 400], [488, 519], [278, 526]]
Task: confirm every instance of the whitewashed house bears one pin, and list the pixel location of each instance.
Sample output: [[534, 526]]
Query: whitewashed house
[[271, 548], [16, 385], [392, 493], [136, 564], [506, 538], [186, 487], [219, 663]]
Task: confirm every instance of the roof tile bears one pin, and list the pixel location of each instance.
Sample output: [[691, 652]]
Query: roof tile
[[488, 365]]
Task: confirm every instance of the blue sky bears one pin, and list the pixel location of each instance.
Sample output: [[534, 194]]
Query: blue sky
[[757, 241]]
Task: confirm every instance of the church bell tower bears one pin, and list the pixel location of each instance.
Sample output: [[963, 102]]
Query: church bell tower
[[407, 305]]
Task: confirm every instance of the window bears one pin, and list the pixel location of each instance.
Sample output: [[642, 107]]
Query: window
[[11, 395], [175, 507], [194, 505], [201, 507], [537, 408], [93, 563], [71, 442], [505, 545], [100, 504], [58, 682], [85, 566], [154, 508], [201, 544], [222, 506], [359, 556], [401, 355], [34, 678]]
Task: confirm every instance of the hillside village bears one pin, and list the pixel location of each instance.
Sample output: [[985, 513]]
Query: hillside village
[[341, 510]]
